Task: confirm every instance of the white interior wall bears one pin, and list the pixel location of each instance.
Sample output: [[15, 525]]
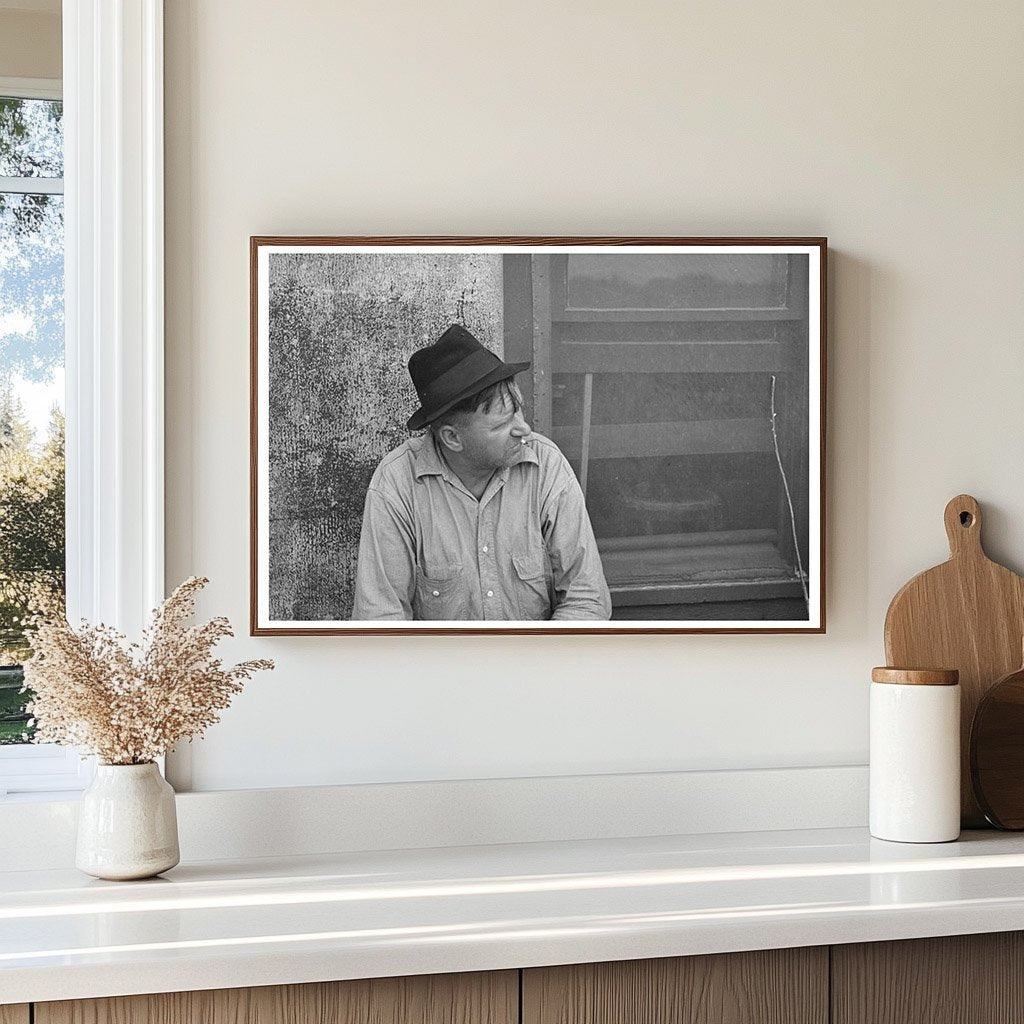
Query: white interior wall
[[894, 129]]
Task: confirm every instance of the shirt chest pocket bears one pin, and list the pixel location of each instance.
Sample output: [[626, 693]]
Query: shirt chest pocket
[[530, 586], [441, 595]]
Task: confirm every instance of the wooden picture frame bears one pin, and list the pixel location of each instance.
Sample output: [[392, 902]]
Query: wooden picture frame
[[682, 378]]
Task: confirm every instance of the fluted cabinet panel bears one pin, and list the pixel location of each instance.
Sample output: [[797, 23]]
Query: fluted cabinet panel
[[959, 979], [777, 986], [479, 998], [15, 1014]]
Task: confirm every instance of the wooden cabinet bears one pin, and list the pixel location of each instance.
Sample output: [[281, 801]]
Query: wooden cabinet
[[776, 986], [480, 998], [960, 979], [967, 979]]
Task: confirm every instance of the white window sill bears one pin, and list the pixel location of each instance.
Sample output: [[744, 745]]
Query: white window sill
[[43, 797]]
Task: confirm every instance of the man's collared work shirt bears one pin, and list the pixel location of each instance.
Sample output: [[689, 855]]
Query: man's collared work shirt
[[524, 551]]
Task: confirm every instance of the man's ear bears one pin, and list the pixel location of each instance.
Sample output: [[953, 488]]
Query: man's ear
[[449, 437]]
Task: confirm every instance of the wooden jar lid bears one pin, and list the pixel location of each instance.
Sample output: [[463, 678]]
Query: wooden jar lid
[[916, 676]]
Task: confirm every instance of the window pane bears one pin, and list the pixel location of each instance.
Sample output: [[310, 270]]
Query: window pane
[[13, 720], [671, 483], [661, 397], [682, 482], [31, 431], [681, 494], [31, 138], [677, 281]]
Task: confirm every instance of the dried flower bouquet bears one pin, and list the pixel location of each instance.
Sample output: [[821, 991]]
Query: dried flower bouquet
[[129, 704]]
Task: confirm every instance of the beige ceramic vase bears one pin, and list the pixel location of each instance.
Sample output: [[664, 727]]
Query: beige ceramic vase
[[127, 825]]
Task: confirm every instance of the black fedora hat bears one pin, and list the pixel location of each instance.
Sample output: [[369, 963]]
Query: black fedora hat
[[453, 368]]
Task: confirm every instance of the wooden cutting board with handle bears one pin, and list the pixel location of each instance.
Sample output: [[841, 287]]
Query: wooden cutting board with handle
[[967, 614]]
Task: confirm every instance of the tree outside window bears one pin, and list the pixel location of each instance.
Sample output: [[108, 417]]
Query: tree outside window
[[32, 546]]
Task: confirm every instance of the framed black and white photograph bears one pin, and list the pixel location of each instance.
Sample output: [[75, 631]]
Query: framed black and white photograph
[[537, 435]]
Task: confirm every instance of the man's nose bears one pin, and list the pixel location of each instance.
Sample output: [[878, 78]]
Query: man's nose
[[520, 428]]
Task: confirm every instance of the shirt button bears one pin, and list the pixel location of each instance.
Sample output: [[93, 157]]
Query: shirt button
[[490, 593], [437, 593], [485, 549]]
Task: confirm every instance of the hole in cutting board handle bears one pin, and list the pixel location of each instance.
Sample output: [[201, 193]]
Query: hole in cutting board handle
[[962, 520]]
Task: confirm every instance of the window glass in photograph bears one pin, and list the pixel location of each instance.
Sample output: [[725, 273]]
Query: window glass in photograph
[[676, 281]]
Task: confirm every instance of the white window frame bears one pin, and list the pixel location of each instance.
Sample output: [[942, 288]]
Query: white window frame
[[113, 284]]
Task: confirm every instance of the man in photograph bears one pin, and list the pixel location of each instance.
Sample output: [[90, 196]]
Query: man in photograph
[[478, 518]]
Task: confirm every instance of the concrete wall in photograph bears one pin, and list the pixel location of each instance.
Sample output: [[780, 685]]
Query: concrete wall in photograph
[[342, 328]]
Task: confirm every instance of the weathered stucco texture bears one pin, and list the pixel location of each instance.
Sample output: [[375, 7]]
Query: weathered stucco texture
[[342, 328]]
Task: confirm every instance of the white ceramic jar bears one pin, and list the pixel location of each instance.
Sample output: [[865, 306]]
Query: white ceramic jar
[[915, 755], [127, 823]]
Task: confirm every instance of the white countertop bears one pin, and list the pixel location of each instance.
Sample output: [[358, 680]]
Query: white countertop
[[225, 924]]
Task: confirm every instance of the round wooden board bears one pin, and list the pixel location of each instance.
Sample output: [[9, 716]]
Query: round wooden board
[[997, 752]]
